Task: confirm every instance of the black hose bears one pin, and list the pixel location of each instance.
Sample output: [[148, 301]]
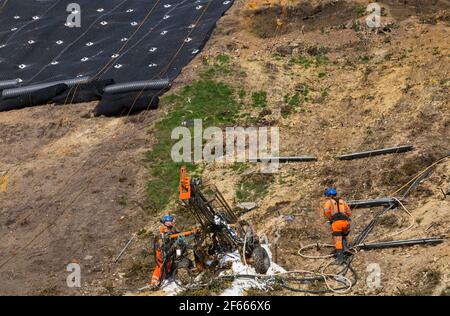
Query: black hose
[[299, 280]]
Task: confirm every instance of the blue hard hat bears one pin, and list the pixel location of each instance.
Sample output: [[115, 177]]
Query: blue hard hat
[[330, 191], [167, 218]]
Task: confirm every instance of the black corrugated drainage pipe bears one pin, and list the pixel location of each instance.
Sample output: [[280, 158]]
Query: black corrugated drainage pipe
[[15, 92], [159, 84], [6, 84]]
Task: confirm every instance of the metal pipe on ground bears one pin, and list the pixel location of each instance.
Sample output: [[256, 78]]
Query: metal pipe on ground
[[15, 92], [125, 248], [284, 159], [416, 183], [159, 84], [399, 243], [386, 201], [366, 231], [377, 152]]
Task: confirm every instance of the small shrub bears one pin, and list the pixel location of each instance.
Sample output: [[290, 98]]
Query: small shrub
[[360, 11]]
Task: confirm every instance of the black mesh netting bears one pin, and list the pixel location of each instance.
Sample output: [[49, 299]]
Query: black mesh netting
[[118, 40]]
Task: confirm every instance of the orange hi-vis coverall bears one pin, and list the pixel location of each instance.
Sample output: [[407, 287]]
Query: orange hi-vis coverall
[[157, 273], [339, 218], [171, 234]]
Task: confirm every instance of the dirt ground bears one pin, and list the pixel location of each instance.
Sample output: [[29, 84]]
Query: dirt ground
[[72, 187], [72, 191]]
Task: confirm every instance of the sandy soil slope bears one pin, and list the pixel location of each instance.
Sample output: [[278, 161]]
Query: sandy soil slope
[[85, 177], [72, 191]]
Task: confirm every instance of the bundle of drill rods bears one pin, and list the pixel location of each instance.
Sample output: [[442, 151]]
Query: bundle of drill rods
[[359, 240]]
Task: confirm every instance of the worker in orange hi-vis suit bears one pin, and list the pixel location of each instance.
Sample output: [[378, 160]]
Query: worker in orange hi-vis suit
[[338, 213], [163, 262], [164, 252]]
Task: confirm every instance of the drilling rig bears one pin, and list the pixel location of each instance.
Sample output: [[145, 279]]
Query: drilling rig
[[221, 230]]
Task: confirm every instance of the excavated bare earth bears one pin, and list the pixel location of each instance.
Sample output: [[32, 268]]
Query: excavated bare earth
[[72, 191], [72, 187]]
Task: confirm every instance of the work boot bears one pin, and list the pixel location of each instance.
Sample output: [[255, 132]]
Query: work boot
[[345, 244], [347, 250], [340, 256]]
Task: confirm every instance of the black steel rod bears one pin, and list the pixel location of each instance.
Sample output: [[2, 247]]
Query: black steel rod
[[284, 159], [377, 152], [386, 201], [399, 243], [366, 231]]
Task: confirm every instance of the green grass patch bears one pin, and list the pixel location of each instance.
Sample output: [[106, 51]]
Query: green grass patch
[[304, 92], [360, 11], [213, 102], [365, 59], [242, 94], [239, 167], [293, 100], [306, 62], [309, 61], [223, 59], [259, 99], [220, 65], [320, 60]]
